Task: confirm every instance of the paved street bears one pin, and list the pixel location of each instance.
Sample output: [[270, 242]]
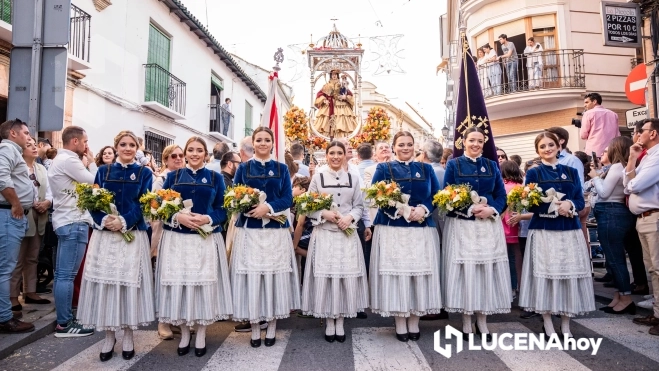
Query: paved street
[[370, 345]]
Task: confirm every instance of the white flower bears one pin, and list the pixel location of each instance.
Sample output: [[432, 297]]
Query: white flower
[[527, 189], [154, 211], [449, 207], [444, 192], [456, 198], [96, 191], [525, 202], [231, 193], [176, 202], [245, 200], [303, 206], [391, 203], [539, 189]]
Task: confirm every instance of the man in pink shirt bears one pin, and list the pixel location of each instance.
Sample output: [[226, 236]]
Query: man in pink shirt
[[598, 126]]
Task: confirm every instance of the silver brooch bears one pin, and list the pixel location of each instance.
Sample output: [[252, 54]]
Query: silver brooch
[[483, 169], [563, 176], [203, 180], [271, 173], [418, 175], [132, 176]]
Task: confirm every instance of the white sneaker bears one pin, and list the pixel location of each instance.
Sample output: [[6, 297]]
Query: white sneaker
[[164, 331], [648, 297], [647, 304]]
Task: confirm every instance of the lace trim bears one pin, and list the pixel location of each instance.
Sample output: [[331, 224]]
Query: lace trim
[[561, 260], [472, 312], [260, 319], [419, 313], [117, 328], [91, 264], [333, 316], [552, 216], [336, 257], [202, 322], [559, 313]]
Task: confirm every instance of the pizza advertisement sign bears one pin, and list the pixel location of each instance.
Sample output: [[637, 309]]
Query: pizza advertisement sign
[[621, 24]]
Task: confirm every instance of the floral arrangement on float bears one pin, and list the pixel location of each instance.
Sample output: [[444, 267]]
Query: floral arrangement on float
[[376, 129], [296, 125], [315, 143]]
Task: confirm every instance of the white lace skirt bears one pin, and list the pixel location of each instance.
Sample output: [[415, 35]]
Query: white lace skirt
[[261, 295], [471, 287], [189, 303], [568, 296], [333, 297], [107, 306], [405, 294]]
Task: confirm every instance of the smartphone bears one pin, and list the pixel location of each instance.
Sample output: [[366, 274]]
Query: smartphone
[[595, 160]]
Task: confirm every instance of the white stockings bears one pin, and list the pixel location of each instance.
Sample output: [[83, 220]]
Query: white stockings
[[272, 329], [256, 331], [466, 323], [413, 324], [108, 344], [200, 337], [481, 322], [549, 325], [565, 326], [127, 343], [185, 336], [339, 327], [330, 328], [401, 325]]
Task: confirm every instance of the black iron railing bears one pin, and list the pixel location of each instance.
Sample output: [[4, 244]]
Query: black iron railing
[[80, 34], [221, 120], [156, 144], [5, 10], [163, 87], [551, 69]]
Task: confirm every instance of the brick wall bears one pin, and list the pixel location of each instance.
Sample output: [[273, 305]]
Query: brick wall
[[541, 121]]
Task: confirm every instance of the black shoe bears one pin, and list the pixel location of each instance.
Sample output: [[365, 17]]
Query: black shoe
[[183, 351], [108, 356], [606, 278], [17, 308], [526, 314], [199, 352], [340, 338], [433, 317], [255, 343], [488, 336], [330, 338], [402, 337], [362, 315], [610, 284], [604, 308], [631, 309], [128, 354], [414, 336], [465, 336], [29, 300], [269, 342], [642, 290]]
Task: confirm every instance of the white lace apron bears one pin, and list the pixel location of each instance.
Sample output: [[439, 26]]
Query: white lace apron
[[188, 259], [263, 250], [559, 254], [480, 241], [404, 251], [336, 255], [112, 260]]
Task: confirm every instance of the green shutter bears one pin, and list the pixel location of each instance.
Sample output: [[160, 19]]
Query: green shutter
[[157, 80], [217, 82], [5, 11], [248, 115]]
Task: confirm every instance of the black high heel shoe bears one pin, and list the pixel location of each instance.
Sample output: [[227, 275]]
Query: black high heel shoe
[[340, 338], [488, 336], [128, 354], [199, 352], [330, 338], [269, 342], [255, 343], [402, 337], [414, 336], [108, 355], [630, 308], [183, 351]]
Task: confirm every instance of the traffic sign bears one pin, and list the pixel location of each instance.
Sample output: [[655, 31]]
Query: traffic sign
[[635, 115], [635, 84]]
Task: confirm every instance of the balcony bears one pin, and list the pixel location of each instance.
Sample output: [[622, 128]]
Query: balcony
[[79, 39], [5, 20], [221, 123], [164, 92], [544, 77]]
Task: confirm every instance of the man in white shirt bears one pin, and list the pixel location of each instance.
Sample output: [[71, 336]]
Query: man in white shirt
[[70, 224], [533, 53], [297, 151], [642, 185]]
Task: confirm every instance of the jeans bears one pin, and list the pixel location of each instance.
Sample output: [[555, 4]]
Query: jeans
[[535, 75], [70, 251], [12, 232], [226, 121], [614, 221], [494, 71], [511, 71]]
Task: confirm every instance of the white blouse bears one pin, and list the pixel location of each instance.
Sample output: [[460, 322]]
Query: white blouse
[[346, 192]]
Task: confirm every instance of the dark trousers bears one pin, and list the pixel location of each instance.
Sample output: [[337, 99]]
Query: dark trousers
[[614, 222], [366, 245]]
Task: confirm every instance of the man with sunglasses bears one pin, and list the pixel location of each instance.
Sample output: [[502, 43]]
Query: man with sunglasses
[[229, 163], [16, 198]]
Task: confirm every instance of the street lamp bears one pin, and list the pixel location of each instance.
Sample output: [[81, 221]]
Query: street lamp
[[445, 131]]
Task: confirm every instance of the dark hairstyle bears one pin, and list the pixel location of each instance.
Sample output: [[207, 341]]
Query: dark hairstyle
[[72, 132], [517, 159], [511, 171], [447, 152], [638, 127], [293, 167], [505, 155], [260, 129], [226, 100], [487, 45], [44, 140], [594, 97], [618, 151], [503, 36], [546, 134], [226, 158], [297, 150], [560, 133], [51, 153], [199, 140], [365, 151], [530, 39], [219, 149], [8, 126], [99, 156], [528, 164], [302, 182], [654, 124], [473, 129], [400, 134], [335, 143], [585, 160]]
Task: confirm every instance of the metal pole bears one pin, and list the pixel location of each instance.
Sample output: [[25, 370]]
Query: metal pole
[[35, 76]]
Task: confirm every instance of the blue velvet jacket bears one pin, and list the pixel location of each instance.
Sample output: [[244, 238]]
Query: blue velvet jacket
[[415, 179], [206, 190], [271, 177], [128, 184], [563, 179], [484, 177]]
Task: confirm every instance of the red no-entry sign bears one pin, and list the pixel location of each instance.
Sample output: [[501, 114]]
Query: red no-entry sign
[[635, 84]]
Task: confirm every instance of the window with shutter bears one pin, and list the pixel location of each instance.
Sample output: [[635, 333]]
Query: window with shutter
[[248, 115], [157, 78], [5, 10]]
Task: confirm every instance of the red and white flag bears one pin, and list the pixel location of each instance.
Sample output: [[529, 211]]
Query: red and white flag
[[270, 119]]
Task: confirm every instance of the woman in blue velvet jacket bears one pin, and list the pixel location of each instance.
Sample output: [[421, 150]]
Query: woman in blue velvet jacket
[[404, 274], [117, 284], [192, 274], [556, 275], [264, 278], [475, 271]]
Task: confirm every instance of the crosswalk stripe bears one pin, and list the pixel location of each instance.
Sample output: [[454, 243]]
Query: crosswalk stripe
[[144, 342], [376, 348], [530, 360], [235, 353], [622, 331]]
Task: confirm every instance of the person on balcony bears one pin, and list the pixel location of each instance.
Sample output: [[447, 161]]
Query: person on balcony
[[226, 116], [533, 53], [481, 65], [493, 69], [509, 58], [598, 125]]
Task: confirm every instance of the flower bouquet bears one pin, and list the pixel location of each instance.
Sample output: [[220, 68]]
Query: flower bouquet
[[522, 197], [161, 204], [453, 197], [94, 198], [384, 194], [295, 124], [241, 198], [311, 202]]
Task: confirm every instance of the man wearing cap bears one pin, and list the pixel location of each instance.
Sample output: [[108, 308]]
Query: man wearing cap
[[43, 144]]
